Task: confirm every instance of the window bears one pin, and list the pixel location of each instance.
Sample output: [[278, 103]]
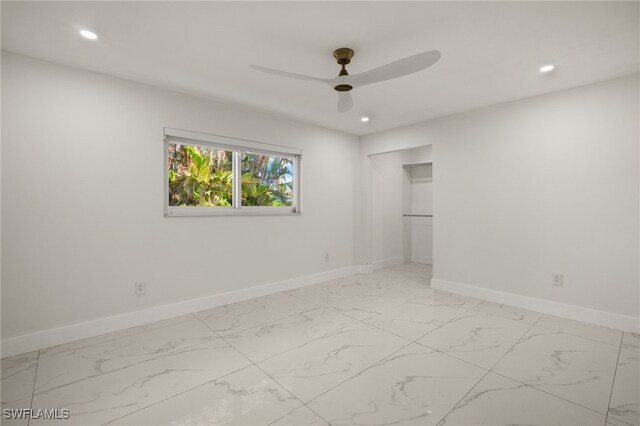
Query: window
[[267, 180], [199, 176], [213, 175]]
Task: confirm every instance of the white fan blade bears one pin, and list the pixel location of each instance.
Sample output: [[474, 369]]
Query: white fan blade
[[396, 69], [290, 74], [345, 101]]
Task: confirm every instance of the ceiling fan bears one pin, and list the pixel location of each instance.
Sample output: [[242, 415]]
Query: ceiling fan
[[344, 82]]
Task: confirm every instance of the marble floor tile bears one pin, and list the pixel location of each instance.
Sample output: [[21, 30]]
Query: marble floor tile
[[419, 286], [413, 386], [476, 337], [246, 397], [90, 357], [631, 341], [625, 398], [411, 320], [509, 312], [240, 316], [356, 287], [613, 422], [497, 400], [394, 276], [447, 302], [335, 290], [582, 329], [279, 336], [422, 314], [366, 280], [571, 367], [16, 383], [108, 396], [340, 353], [302, 416], [103, 339], [315, 367], [421, 269], [379, 300]]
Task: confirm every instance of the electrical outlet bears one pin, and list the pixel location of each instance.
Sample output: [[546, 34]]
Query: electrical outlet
[[556, 279], [326, 257], [140, 288]]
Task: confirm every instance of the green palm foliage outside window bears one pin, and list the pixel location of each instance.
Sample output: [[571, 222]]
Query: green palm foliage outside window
[[266, 180], [200, 176]]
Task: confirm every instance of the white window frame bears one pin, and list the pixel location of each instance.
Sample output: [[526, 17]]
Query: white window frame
[[238, 147]]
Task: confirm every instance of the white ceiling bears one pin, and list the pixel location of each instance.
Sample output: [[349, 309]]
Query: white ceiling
[[491, 51]]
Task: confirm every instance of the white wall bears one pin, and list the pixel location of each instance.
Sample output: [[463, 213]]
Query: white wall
[[537, 186], [82, 210]]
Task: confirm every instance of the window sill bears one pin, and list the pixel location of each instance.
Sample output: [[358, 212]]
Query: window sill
[[229, 211]]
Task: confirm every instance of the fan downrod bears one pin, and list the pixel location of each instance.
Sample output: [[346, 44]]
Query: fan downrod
[[343, 57]]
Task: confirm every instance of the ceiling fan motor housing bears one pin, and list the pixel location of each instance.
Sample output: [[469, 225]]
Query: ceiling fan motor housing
[[343, 57]]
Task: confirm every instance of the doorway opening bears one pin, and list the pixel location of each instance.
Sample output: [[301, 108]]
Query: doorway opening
[[402, 207], [417, 203]]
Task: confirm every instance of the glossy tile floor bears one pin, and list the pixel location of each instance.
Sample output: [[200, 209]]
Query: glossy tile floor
[[380, 349]]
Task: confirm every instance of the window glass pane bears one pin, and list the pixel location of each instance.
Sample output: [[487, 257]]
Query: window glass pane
[[199, 176], [267, 180]]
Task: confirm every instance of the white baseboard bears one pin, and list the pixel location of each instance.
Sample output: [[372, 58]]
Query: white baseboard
[[385, 263], [57, 336], [364, 269], [422, 259], [578, 313]]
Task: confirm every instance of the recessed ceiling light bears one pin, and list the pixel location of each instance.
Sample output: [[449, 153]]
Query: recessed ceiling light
[[364, 119], [547, 68], [88, 34]]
